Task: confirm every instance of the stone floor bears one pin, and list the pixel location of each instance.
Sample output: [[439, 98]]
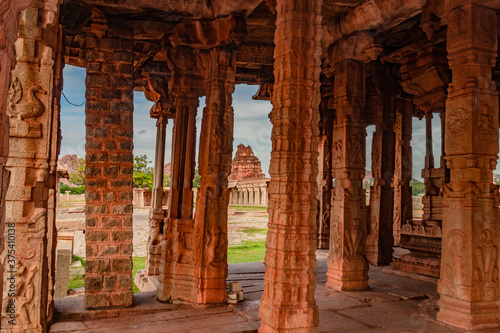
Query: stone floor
[[393, 304]]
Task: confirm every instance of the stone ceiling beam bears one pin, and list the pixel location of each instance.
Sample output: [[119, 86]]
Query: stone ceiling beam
[[372, 15], [195, 9]]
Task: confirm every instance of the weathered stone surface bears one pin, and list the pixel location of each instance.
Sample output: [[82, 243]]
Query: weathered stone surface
[[105, 267], [33, 110], [288, 300], [63, 260], [245, 165], [347, 265], [178, 51], [469, 285]]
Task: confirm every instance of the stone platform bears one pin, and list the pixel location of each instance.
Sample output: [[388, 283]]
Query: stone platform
[[393, 304]]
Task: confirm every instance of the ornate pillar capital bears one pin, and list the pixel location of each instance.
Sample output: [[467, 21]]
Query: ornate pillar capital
[[360, 46]]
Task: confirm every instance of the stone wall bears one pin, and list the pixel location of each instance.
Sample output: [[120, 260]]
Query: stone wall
[[109, 119], [245, 165], [249, 192]]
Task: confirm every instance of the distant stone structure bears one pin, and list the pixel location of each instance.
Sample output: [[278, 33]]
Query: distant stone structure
[[245, 165], [247, 183]]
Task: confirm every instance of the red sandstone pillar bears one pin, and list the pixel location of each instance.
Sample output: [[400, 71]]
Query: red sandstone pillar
[[157, 213], [216, 147], [469, 285], [325, 181], [381, 90], [289, 283], [402, 167], [347, 265], [177, 266], [34, 136], [109, 119]]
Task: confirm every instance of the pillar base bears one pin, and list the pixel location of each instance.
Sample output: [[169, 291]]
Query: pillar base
[[468, 315], [288, 319], [348, 274]]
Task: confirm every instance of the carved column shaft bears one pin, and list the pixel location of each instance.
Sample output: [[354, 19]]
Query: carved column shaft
[[347, 265], [157, 213], [469, 285], [177, 267], [216, 148], [381, 88], [402, 167], [289, 282], [34, 136], [183, 154], [325, 181], [429, 154], [109, 168]]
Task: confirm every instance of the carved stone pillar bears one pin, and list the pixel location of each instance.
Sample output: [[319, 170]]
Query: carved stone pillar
[[425, 74], [108, 211], [161, 111], [216, 148], [157, 213], [289, 282], [34, 137], [469, 285], [347, 265], [177, 266], [325, 181], [381, 88], [402, 167]]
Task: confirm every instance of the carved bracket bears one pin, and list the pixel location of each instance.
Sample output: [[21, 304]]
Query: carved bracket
[[203, 34], [359, 46]]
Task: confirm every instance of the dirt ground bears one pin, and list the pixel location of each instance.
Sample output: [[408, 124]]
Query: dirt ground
[[242, 226]]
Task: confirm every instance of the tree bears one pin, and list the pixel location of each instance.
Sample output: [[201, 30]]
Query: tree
[[143, 174], [417, 187], [78, 176], [196, 179]]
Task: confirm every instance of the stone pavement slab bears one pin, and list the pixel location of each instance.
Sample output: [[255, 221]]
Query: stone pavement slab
[[394, 304]]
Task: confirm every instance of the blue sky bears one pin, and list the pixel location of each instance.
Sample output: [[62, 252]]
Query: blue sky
[[252, 125]]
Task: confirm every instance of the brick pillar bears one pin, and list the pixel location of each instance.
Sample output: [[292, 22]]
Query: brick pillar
[[29, 229], [469, 285], [109, 121], [216, 148], [381, 89], [177, 268], [289, 282], [325, 180], [157, 213], [402, 167], [347, 265]]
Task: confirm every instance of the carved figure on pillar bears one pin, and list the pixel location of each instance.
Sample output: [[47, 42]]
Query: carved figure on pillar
[[348, 57], [468, 285], [216, 148], [288, 300], [325, 181], [177, 266], [33, 141], [161, 110]]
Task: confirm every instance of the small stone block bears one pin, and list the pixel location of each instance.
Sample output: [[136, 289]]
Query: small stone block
[[232, 298], [240, 296], [234, 286]]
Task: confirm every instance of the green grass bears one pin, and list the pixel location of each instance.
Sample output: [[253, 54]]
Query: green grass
[[79, 281], [254, 231], [77, 258], [250, 251], [138, 264], [248, 208], [76, 282]]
